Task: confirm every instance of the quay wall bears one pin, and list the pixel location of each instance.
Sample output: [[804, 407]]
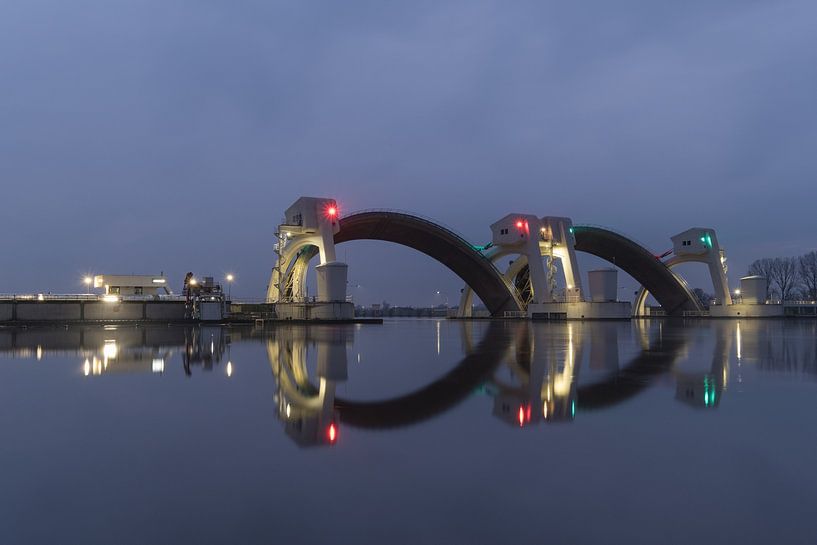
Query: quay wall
[[24, 311]]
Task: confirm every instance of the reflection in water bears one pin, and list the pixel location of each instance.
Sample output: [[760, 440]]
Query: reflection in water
[[122, 349], [761, 343], [704, 389], [205, 346], [531, 371], [544, 368], [308, 411]]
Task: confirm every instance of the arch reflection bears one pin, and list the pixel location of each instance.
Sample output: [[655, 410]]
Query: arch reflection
[[533, 373], [529, 370], [306, 409]]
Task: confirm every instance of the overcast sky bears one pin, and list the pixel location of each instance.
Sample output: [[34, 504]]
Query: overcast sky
[[147, 136]]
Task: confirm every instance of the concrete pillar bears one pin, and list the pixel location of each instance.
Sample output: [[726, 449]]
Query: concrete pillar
[[538, 277]]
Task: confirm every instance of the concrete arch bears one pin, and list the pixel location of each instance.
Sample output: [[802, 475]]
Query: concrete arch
[[639, 305], [435, 241], [670, 292]]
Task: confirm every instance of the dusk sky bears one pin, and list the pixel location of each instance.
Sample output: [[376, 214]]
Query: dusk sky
[[147, 136]]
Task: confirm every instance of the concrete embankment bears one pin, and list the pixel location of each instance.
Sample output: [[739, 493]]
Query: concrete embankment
[[32, 310], [89, 310]]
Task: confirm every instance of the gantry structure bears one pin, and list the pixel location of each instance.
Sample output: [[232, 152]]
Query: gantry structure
[[536, 245]]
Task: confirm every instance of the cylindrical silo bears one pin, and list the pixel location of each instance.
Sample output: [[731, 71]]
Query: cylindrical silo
[[603, 285], [753, 289]]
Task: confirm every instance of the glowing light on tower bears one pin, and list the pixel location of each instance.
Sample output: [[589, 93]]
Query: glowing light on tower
[[332, 433]]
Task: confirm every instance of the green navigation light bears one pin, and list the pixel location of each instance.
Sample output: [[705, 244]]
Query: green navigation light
[[573, 409], [709, 392]]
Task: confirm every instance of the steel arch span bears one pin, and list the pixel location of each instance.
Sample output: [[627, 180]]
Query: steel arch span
[[669, 290], [427, 237], [640, 304]]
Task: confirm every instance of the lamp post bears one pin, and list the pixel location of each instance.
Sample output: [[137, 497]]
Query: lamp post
[[230, 279], [88, 280]]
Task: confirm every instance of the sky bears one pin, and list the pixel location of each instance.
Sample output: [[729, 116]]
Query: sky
[[148, 136]]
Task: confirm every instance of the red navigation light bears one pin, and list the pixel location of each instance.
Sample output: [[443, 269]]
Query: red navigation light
[[331, 211], [332, 433], [521, 416], [519, 224]]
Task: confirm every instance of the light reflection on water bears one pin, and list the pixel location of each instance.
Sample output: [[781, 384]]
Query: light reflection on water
[[420, 383]]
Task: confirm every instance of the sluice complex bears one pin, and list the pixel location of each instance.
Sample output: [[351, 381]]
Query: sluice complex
[[529, 285], [528, 269]]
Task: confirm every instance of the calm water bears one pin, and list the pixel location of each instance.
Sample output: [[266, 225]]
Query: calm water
[[416, 431]]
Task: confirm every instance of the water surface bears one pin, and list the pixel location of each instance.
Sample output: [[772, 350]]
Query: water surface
[[414, 431]]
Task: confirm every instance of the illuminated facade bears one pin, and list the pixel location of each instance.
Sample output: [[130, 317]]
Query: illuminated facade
[[696, 245], [529, 239], [309, 223], [117, 284]]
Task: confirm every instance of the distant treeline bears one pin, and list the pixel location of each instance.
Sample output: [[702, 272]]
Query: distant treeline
[[789, 278], [412, 312]]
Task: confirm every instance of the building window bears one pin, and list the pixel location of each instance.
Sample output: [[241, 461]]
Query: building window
[[114, 290], [138, 290]]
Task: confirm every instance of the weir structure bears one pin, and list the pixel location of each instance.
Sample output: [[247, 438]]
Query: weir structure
[[529, 239], [527, 288], [695, 245], [299, 244]]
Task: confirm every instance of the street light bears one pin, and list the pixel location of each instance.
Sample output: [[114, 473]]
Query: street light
[[444, 296], [88, 281], [230, 279]]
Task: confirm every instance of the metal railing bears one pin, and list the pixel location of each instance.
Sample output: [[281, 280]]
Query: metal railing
[[611, 230], [429, 220], [249, 302]]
